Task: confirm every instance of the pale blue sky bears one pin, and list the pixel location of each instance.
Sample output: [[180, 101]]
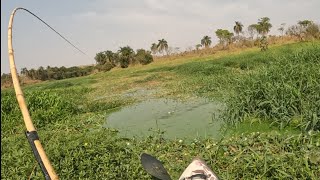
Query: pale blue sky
[[98, 25]]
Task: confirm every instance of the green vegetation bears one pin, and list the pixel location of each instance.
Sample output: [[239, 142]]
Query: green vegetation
[[102, 155], [277, 88], [225, 37], [286, 91]]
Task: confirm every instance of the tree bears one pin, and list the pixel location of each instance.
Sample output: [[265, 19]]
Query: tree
[[238, 28], [100, 58], [111, 57], [206, 41], [24, 71], [308, 29], [305, 23], [154, 48], [304, 29], [144, 57], [162, 46], [313, 31], [41, 74], [32, 73], [219, 34], [225, 36], [263, 27], [126, 56]]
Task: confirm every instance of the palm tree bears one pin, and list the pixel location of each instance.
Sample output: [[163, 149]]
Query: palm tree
[[264, 26], [206, 41], [154, 48], [238, 28], [109, 55], [126, 56], [162, 45]]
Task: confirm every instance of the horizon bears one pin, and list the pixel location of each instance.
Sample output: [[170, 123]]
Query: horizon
[[137, 24]]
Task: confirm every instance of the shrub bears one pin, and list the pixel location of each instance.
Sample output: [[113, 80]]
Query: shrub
[[105, 67], [144, 57]]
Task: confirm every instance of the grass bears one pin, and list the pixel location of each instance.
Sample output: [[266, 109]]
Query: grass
[[285, 92], [284, 143]]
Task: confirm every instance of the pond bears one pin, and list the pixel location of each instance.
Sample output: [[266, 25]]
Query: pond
[[195, 118]]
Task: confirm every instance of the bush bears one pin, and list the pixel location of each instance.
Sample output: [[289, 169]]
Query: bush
[[144, 57], [124, 62], [105, 67]]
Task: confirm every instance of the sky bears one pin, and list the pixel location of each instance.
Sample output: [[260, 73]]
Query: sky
[[99, 25]]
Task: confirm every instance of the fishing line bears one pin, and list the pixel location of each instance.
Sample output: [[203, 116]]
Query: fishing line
[[53, 30]]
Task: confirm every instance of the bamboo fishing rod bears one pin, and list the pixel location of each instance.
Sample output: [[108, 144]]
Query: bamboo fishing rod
[[31, 132]]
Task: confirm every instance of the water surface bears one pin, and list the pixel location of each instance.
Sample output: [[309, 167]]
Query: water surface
[[190, 119]]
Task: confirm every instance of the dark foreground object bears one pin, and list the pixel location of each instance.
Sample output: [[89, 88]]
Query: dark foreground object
[[154, 167]]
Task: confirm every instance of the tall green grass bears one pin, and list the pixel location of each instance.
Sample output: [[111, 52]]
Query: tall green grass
[[46, 108], [287, 92]]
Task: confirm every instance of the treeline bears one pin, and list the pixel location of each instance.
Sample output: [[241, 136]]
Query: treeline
[[105, 61], [56, 73], [48, 73], [258, 33], [253, 35]]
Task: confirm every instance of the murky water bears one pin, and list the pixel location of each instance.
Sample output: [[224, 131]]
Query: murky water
[[195, 118]]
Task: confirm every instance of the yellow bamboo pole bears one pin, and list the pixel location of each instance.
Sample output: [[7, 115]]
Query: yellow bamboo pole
[[21, 100]]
